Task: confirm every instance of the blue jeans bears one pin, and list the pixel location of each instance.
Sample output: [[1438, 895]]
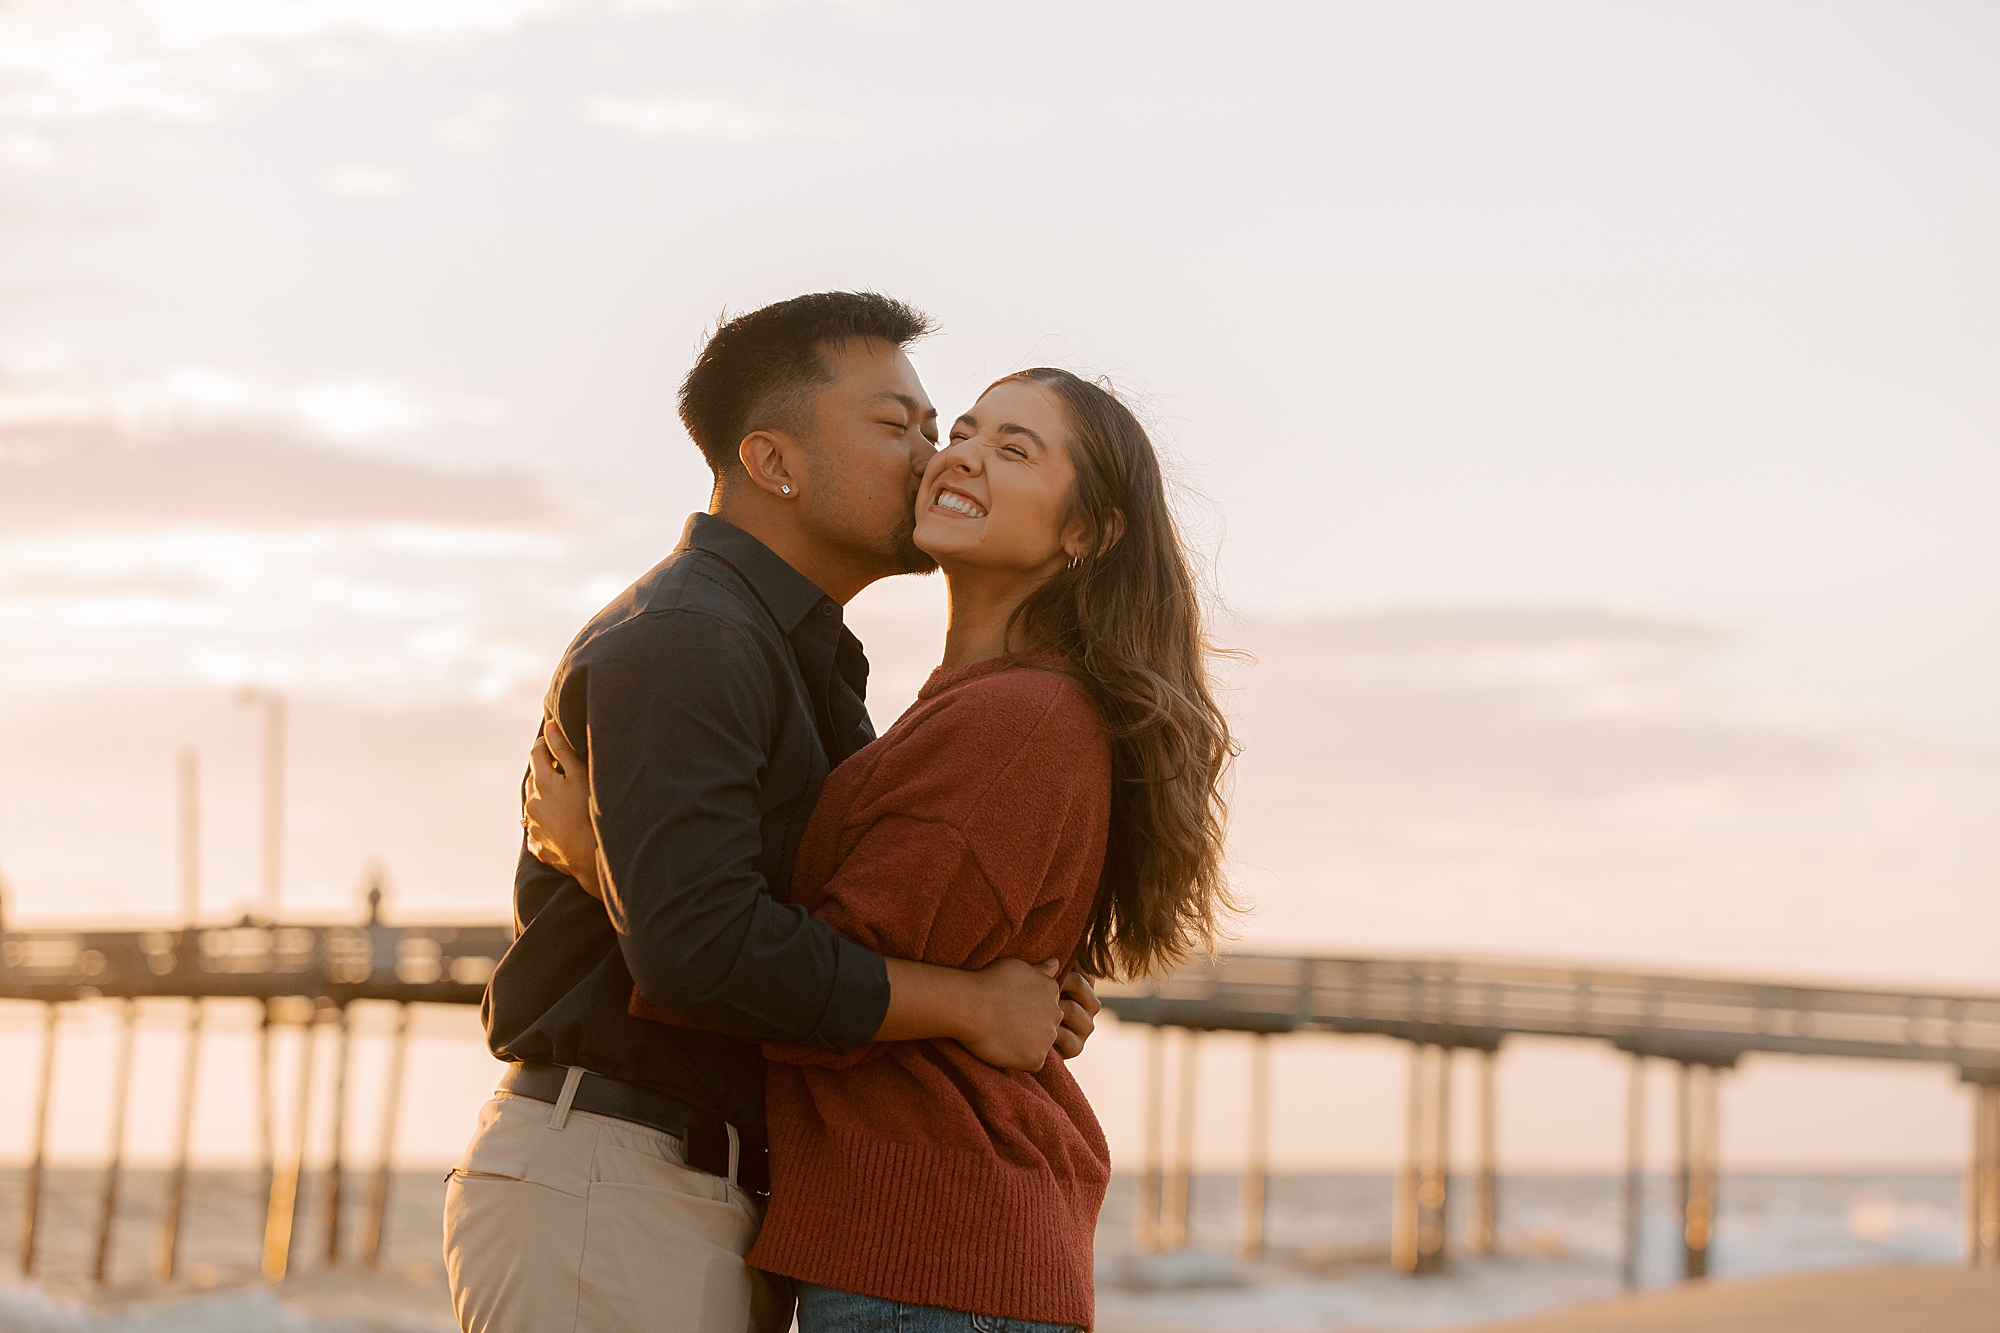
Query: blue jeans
[[824, 1310]]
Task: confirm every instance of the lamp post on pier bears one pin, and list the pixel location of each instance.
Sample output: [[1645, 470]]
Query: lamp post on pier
[[271, 850]]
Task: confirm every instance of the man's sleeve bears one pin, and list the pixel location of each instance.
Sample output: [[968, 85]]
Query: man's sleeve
[[678, 710]]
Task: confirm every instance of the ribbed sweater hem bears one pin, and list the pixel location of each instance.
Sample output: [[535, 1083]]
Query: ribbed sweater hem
[[928, 1225]]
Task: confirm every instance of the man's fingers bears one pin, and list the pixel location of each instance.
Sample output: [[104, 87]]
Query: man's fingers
[[1077, 1022], [1050, 967], [1077, 989]]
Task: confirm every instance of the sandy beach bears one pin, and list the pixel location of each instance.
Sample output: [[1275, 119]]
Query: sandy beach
[[1881, 1300]]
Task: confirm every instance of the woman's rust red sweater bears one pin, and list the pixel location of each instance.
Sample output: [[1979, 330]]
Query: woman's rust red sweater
[[973, 829]]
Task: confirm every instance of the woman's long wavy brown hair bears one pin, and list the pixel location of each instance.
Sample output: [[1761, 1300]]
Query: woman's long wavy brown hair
[[1127, 622]]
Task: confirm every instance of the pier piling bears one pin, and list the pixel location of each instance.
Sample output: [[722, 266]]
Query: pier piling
[[31, 1194], [1635, 1166], [107, 1217], [334, 1166], [1403, 1223], [1174, 1205], [288, 1183], [1699, 1116], [375, 1223], [1254, 1203], [1486, 1194], [1417, 1244], [1436, 1178], [1146, 1213], [167, 1249], [1982, 1184], [266, 1132]]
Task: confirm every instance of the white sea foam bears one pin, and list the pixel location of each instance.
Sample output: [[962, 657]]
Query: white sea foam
[[1560, 1244]]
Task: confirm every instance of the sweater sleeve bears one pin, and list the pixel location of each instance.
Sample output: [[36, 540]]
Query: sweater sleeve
[[947, 852]]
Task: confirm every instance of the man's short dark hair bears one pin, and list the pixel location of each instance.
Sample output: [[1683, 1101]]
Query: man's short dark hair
[[760, 371]]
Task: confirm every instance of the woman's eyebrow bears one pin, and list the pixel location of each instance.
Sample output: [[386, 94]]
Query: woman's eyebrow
[[1011, 429], [971, 422]]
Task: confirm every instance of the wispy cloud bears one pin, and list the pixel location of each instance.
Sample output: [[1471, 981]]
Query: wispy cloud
[[710, 118], [383, 611], [26, 149], [353, 410], [185, 60], [204, 446], [475, 125], [1508, 709], [366, 182], [202, 526], [188, 61]]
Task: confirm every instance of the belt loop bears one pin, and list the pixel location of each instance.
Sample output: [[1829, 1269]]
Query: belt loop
[[735, 1151], [571, 1080]]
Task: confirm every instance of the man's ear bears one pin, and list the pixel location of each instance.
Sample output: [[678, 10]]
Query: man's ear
[[765, 455]]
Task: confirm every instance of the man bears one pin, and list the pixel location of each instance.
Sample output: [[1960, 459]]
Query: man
[[612, 1183]]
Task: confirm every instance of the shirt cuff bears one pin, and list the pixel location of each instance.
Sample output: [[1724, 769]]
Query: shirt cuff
[[860, 999]]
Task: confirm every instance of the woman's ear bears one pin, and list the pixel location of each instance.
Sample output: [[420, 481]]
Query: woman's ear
[[1114, 528], [763, 454], [1076, 537]]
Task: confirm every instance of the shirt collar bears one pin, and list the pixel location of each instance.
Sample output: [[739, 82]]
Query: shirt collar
[[789, 595]]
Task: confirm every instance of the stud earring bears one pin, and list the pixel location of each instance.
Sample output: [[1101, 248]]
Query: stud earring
[[785, 489]]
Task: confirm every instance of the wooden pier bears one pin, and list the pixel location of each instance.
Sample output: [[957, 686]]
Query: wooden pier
[[1442, 1007], [305, 977]]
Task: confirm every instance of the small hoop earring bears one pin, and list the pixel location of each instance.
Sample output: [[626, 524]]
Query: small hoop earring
[[785, 489], [1075, 560]]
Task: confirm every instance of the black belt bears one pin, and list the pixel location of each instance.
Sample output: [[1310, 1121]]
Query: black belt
[[704, 1138]]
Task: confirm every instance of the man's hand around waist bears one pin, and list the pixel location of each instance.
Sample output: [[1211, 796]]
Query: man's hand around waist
[[1080, 1007], [1009, 1013]]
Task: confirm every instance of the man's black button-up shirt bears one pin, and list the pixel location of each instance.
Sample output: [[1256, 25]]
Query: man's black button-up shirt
[[710, 700]]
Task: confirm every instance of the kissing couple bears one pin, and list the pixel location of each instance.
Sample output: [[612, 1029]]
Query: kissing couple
[[788, 1008]]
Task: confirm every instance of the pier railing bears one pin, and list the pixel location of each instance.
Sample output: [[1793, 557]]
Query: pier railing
[[1475, 1005], [255, 960]]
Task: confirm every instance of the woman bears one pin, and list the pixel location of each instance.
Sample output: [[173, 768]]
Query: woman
[[1055, 791]]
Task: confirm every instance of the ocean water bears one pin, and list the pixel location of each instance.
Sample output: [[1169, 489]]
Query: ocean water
[[1326, 1268], [1560, 1242]]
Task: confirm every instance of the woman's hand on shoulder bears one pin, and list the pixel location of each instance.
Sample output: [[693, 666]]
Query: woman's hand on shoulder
[[555, 809]]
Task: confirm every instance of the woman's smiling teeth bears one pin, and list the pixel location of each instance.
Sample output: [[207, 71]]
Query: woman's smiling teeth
[[958, 504]]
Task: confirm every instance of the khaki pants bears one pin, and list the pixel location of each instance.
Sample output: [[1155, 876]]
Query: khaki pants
[[585, 1224]]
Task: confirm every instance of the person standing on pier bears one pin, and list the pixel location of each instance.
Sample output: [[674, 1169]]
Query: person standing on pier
[[615, 1180], [1054, 789]]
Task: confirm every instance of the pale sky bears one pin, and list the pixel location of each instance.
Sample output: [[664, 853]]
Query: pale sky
[[1591, 412]]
